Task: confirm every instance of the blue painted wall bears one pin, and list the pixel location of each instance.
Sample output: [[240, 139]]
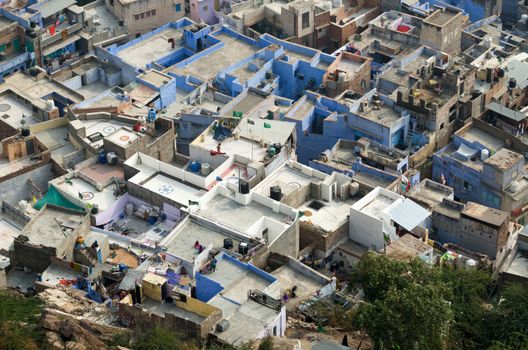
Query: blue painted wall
[[206, 288]]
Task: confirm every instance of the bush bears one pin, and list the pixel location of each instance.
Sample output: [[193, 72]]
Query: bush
[[266, 344]]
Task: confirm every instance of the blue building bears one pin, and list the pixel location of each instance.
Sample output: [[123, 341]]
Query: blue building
[[485, 165], [322, 121]]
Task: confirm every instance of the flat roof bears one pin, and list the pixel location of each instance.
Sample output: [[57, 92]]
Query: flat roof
[[385, 115], [440, 17], [100, 173], [377, 205], [206, 67], [430, 192], [246, 322], [175, 190], [504, 159], [237, 216], [289, 277], [57, 141], [48, 227], [11, 112], [34, 90], [475, 134], [150, 49], [76, 187], [236, 280], [181, 244], [485, 214], [289, 179], [155, 78], [231, 146]]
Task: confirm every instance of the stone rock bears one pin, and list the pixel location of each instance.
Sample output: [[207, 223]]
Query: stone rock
[[71, 345]]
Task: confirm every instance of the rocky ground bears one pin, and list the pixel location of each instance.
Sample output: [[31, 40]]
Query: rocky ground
[[71, 321]]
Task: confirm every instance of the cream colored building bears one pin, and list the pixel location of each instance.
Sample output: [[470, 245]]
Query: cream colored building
[[142, 16]]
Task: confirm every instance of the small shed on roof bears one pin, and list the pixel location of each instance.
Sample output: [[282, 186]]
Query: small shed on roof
[[408, 214]]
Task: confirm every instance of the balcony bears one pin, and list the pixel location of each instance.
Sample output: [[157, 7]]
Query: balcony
[[48, 39]]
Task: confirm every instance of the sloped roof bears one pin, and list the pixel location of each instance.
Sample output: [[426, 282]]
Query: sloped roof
[[408, 214]]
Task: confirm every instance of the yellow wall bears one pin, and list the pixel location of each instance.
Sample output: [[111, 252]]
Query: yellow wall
[[197, 307]]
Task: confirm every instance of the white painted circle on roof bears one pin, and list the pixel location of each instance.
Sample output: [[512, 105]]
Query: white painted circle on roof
[[4, 107], [109, 129], [166, 189]]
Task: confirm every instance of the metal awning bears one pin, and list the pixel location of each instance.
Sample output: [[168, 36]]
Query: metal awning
[[408, 214], [51, 7], [59, 45]]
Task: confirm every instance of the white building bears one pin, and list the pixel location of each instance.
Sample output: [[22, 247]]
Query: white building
[[379, 216]]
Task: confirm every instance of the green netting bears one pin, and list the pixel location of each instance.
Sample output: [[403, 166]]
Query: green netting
[[56, 198]]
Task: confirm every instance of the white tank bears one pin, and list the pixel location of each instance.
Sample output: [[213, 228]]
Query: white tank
[[524, 18], [514, 186], [129, 209], [471, 264], [336, 3], [354, 188], [484, 154], [341, 77], [205, 169], [50, 104]]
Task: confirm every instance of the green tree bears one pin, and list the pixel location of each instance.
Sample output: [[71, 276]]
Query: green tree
[[377, 274], [515, 341], [469, 292], [414, 316], [266, 344], [159, 339], [510, 316]]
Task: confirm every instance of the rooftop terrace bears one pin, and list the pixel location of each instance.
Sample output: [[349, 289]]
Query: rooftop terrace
[[150, 50], [208, 66]]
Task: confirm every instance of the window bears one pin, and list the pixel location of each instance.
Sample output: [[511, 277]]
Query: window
[[142, 16], [8, 45], [153, 12], [275, 331], [112, 3], [178, 7], [136, 17], [305, 20], [148, 14], [467, 187], [205, 8], [2, 48]]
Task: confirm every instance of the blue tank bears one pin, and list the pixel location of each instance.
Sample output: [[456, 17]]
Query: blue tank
[[102, 157], [151, 115], [195, 167]]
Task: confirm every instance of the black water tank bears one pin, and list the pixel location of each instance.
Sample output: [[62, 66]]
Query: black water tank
[[244, 187], [243, 248], [25, 132], [513, 83], [228, 243], [275, 193]]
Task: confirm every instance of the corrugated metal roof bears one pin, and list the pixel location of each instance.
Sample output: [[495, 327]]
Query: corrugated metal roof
[[506, 112], [51, 7], [408, 214]]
